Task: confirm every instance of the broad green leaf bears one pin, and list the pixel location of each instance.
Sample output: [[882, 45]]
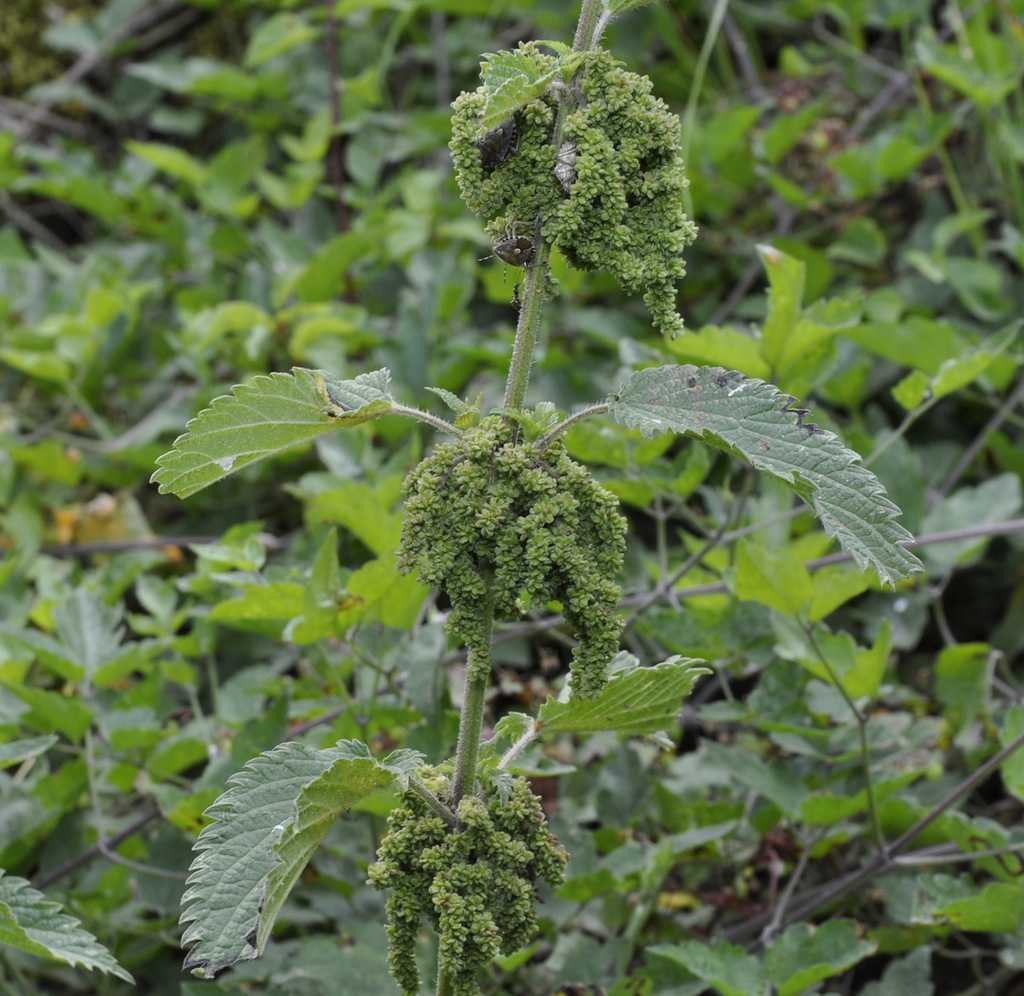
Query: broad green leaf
[[835, 586], [513, 79], [346, 782], [754, 420], [21, 750], [861, 242], [268, 415], [721, 346], [963, 676], [965, 72], [640, 700], [776, 782], [774, 577], [856, 670], [905, 975], [52, 712], [960, 371], [825, 809], [263, 608], [238, 851], [32, 923], [728, 968], [998, 909], [956, 372], [365, 510], [956, 900], [278, 34], [916, 341], [804, 955], [380, 590], [171, 160], [323, 597], [786, 277], [319, 279]]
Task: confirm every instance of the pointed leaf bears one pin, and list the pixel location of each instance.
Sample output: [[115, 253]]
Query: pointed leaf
[[728, 968], [236, 853], [752, 419], [22, 750], [641, 700], [513, 79], [266, 416], [804, 955], [31, 922], [346, 782]]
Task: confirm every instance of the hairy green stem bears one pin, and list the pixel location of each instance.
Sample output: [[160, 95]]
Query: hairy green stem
[[528, 327], [432, 801], [591, 25], [437, 423], [566, 424], [593, 19], [478, 676]]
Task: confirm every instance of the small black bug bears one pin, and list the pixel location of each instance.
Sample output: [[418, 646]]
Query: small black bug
[[498, 144], [516, 250]]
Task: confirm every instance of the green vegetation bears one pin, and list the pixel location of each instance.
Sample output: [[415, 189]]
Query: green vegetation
[[817, 790]]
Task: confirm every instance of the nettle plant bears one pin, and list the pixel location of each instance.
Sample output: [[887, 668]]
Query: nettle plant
[[560, 147]]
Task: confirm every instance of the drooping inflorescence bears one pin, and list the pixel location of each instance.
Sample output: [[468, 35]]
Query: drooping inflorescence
[[474, 883], [607, 190], [488, 518]]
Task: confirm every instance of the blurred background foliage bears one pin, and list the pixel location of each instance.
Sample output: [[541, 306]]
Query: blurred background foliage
[[194, 193]]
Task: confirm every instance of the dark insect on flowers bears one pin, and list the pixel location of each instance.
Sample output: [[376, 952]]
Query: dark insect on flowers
[[516, 250], [498, 144]]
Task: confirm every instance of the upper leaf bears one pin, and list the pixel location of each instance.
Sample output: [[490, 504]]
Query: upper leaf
[[31, 922], [229, 903], [266, 416], [513, 79], [752, 419], [639, 700]]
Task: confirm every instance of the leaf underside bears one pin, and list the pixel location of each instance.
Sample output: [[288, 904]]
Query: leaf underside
[[752, 419], [267, 415], [274, 813]]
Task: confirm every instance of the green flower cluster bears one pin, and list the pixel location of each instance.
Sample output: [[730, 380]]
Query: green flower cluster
[[607, 191], [487, 517], [474, 883]]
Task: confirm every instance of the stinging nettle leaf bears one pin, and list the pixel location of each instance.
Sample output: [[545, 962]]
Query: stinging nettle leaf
[[513, 79], [31, 922], [752, 419], [265, 416], [641, 700], [346, 782], [228, 903]]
